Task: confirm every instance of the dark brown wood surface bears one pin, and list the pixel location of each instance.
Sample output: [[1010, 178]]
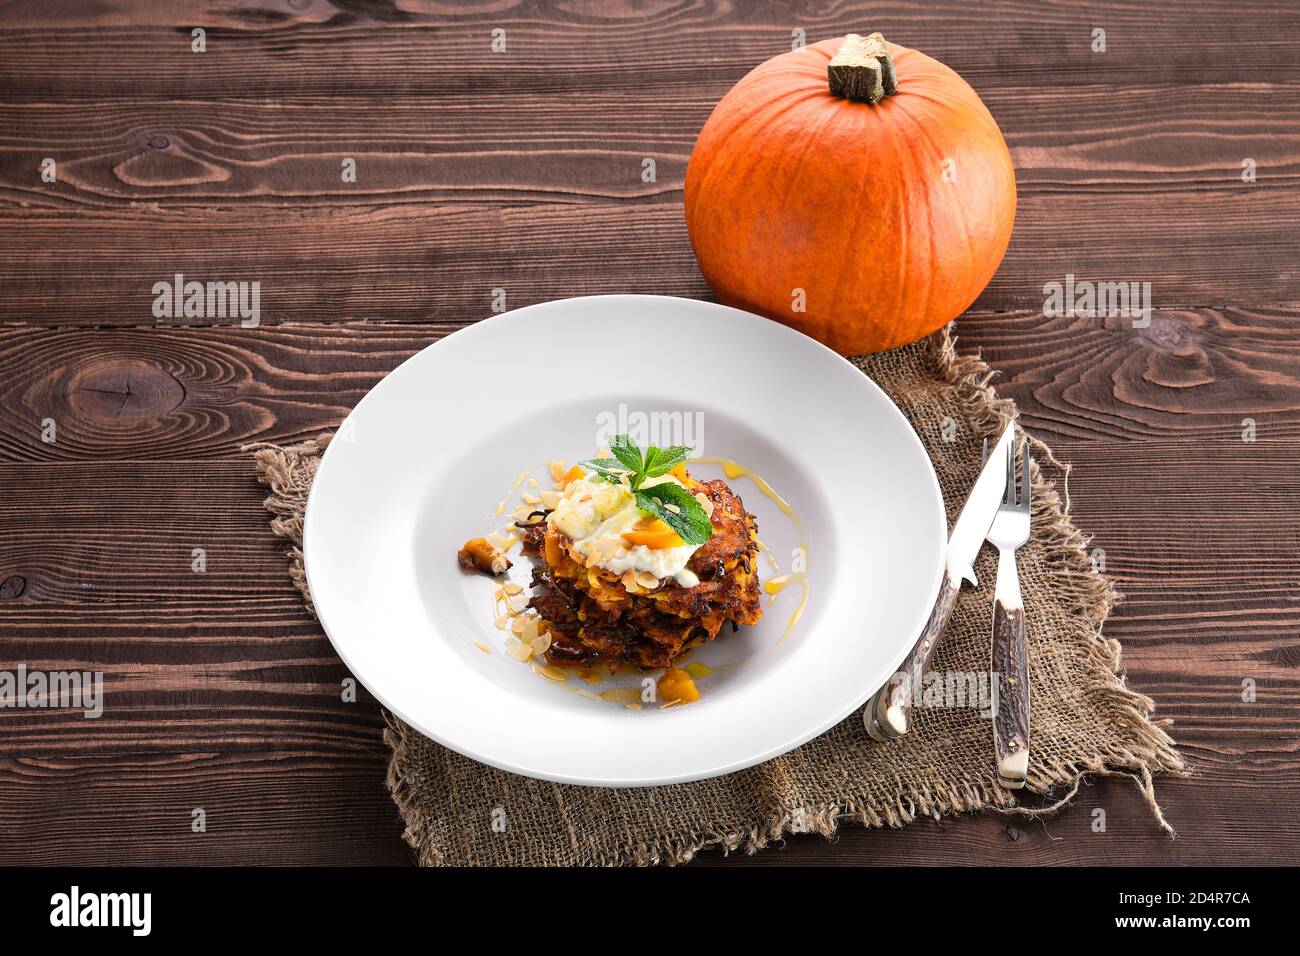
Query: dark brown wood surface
[[522, 170]]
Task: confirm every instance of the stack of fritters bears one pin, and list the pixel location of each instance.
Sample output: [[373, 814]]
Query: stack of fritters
[[593, 616]]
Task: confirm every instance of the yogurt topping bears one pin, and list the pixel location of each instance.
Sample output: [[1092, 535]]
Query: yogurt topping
[[595, 515]]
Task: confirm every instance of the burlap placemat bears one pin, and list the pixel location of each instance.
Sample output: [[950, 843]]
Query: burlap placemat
[[1085, 720]]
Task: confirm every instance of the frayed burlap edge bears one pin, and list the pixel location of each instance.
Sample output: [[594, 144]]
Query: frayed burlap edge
[[289, 471]]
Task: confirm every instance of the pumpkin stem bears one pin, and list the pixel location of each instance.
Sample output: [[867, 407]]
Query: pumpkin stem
[[861, 69]]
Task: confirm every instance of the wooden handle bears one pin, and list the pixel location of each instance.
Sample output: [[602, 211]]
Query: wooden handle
[[1011, 717], [889, 713]]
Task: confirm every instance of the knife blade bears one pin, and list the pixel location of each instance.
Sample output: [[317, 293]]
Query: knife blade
[[889, 713]]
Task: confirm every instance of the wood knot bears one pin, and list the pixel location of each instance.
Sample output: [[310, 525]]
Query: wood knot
[[1177, 358], [12, 587], [166, 163], [1167, 332], [122, 391]]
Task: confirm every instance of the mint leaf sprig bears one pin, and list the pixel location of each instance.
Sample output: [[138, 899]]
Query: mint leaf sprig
[[669, 502]]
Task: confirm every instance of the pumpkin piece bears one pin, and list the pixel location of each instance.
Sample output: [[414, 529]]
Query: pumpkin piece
[[676, 686], [679, 472], [866, 219], [479, 554], [654, 533], [551, 550], [573, 474]]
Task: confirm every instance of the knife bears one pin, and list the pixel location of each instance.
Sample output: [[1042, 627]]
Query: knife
[[888, 714]]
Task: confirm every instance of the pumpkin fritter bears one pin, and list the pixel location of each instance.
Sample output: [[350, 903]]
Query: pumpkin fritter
[[593, 614]]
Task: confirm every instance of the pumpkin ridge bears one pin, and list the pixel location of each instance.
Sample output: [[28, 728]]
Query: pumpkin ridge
[[846, 261], [735, 127], [905, 244], [882, 132], [975, 283], [809, 318], [959, 204]]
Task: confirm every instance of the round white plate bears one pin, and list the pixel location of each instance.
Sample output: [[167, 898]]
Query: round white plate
[[422, 462]]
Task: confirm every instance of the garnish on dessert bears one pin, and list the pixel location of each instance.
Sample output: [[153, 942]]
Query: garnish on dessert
[[669, 502]]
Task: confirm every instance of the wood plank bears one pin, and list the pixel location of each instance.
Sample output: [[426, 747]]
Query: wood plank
[[1200, 375], [275, 51], [138, 811], [577, 147], [154, 394], [186, 393], [1218, 823], [417, 263]]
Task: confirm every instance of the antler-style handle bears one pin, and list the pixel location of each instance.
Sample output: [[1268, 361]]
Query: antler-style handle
[[889, 713], [1010, 664]]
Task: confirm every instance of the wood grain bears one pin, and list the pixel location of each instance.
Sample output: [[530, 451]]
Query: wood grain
[[1198, 375], [1194, 375], [345, 47], [494, 147], [417, 263], [522, 171]]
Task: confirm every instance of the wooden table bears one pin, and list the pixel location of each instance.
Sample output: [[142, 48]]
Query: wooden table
[[522, 170]]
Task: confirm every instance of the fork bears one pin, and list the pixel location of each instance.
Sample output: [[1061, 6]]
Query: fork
[[1010, 664]]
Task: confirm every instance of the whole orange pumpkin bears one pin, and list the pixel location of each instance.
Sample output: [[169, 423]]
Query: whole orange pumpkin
[[866, 217]]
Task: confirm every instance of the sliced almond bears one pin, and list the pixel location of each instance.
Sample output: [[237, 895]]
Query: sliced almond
[[541, 644], [672, 507], [551, 672], [706, 503], [550, 499], [518, 650], [622, 695], [557, 469], [629, 582], [529, 632], [483, 647], [511, 588], [532, 482], [530, 499], [647, 580]]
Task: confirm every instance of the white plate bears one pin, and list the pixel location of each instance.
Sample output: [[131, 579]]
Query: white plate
[[422, 462]]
